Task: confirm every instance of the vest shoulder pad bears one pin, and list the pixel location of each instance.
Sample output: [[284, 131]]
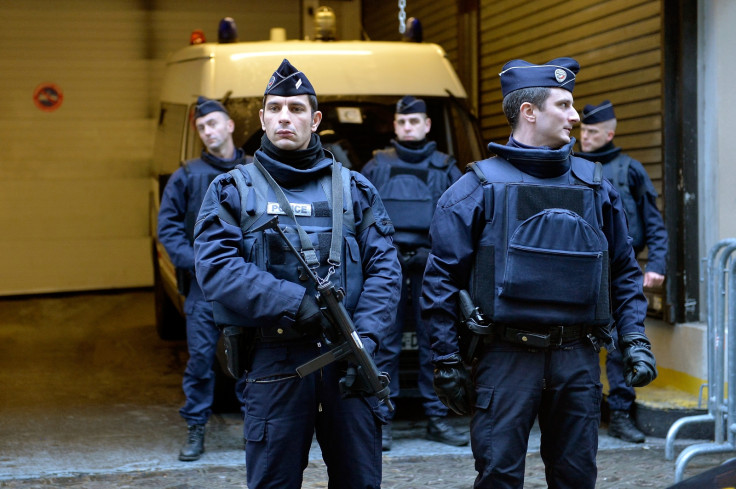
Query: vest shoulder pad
[[588, 172], [441, 160]]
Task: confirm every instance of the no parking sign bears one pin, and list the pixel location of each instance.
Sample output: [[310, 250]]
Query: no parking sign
[[48, 97]]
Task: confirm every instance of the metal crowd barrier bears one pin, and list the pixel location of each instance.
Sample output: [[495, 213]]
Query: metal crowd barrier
[[721, 298]]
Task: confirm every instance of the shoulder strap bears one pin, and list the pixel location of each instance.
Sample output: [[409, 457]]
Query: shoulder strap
[[598, 173], [449, 164], [478, 172], [487, 207], [624, 161]]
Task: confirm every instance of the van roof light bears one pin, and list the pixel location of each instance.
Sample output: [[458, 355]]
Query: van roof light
[[197, 37], [325, 24], [413, 31], [227, 32]]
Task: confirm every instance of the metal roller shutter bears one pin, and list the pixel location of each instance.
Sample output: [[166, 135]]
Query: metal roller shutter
[[618, 44]]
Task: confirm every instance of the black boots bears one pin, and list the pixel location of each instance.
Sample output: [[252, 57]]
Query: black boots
[[194, 448], [621, 426], [386, 437], [438, 429]]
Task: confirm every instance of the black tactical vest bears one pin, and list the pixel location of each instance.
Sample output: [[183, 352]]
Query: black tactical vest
[[542, 257]]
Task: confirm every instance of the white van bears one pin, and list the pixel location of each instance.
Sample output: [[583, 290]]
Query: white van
[[358, 84]]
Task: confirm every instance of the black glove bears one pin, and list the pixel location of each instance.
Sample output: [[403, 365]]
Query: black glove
[[353, 384], [309, 318], [640, 367], [453, 385]]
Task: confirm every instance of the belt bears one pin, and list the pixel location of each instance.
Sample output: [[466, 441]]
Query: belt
[[268, 334], [551, 336]]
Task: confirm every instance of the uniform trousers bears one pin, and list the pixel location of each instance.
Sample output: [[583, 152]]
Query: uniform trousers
[[514, 386], [199, 377], [387, 357], [283, 412]]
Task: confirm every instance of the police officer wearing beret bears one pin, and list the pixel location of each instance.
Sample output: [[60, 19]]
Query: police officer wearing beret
[[410, 175], [180, 204], [257, 284], [646, 227], [539, 239]]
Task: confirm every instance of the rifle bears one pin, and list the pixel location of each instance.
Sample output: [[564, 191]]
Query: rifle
[[347, 344], [475, 321]]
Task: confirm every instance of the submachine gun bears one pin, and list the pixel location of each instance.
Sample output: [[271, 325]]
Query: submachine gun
[[476, 324], [345, 345]]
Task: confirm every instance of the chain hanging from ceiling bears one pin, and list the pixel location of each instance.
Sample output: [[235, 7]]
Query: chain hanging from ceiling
[[402, 16]]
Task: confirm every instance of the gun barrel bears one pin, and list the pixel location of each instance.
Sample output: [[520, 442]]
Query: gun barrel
[[341, 320]]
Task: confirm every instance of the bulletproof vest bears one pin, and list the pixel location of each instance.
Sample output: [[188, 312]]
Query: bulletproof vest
[[410, 192], [312, 206], [199, 177], [542, 257], [617, 171]]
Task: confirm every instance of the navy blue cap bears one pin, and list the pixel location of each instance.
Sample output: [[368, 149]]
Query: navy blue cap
[[411, 105], [287, 81], [592, 114], [557, 73], [206, 106]]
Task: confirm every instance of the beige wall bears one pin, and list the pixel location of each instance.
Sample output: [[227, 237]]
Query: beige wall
[[75, 182]]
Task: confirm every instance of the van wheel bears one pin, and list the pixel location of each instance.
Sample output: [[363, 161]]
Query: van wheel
[[170, 324]]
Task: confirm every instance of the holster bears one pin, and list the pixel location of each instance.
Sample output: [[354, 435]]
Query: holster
[[471, 336], [183, 280], [239, 346]]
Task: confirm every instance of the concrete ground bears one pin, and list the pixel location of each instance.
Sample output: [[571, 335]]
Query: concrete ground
[[89, 398]]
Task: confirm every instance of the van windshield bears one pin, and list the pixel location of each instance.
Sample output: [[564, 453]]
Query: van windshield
[[353, 128]]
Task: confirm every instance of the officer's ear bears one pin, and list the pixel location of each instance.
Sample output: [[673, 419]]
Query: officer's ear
[[609, 135], [316, 119], [526, 110]]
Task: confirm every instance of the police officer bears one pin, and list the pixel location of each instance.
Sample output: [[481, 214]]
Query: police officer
[[411, 175], [539, 239], [180, 204], [646, 227], [255, 283]]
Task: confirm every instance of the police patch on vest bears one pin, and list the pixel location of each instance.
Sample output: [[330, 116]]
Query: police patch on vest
[[274, 208]]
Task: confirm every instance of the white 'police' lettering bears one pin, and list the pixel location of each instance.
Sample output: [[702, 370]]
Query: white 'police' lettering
[[273, 208]]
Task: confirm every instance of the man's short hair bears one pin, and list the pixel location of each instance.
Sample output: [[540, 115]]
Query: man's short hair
[[512, 102]]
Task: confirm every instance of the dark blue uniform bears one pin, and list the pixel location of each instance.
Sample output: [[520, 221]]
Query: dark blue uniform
[[180, 204], [514, 383], [646, 227], [411, 182], [283, 411]]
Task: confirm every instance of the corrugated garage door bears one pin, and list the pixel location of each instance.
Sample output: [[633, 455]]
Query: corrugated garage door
[[619, 47], [438, 18], [617, 42], [74, 180]]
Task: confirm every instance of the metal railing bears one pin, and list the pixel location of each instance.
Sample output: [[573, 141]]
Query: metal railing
[[721, 297]]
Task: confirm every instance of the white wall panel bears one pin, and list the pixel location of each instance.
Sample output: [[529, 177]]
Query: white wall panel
[[75, 182]]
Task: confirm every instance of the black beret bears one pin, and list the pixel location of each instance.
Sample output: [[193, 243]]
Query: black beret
[[592, 114], [557, 73], [411, 105], [287, 81], [206, 106]]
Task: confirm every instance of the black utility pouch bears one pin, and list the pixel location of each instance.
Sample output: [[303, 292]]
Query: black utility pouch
[[238, 349], [183, 280]]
